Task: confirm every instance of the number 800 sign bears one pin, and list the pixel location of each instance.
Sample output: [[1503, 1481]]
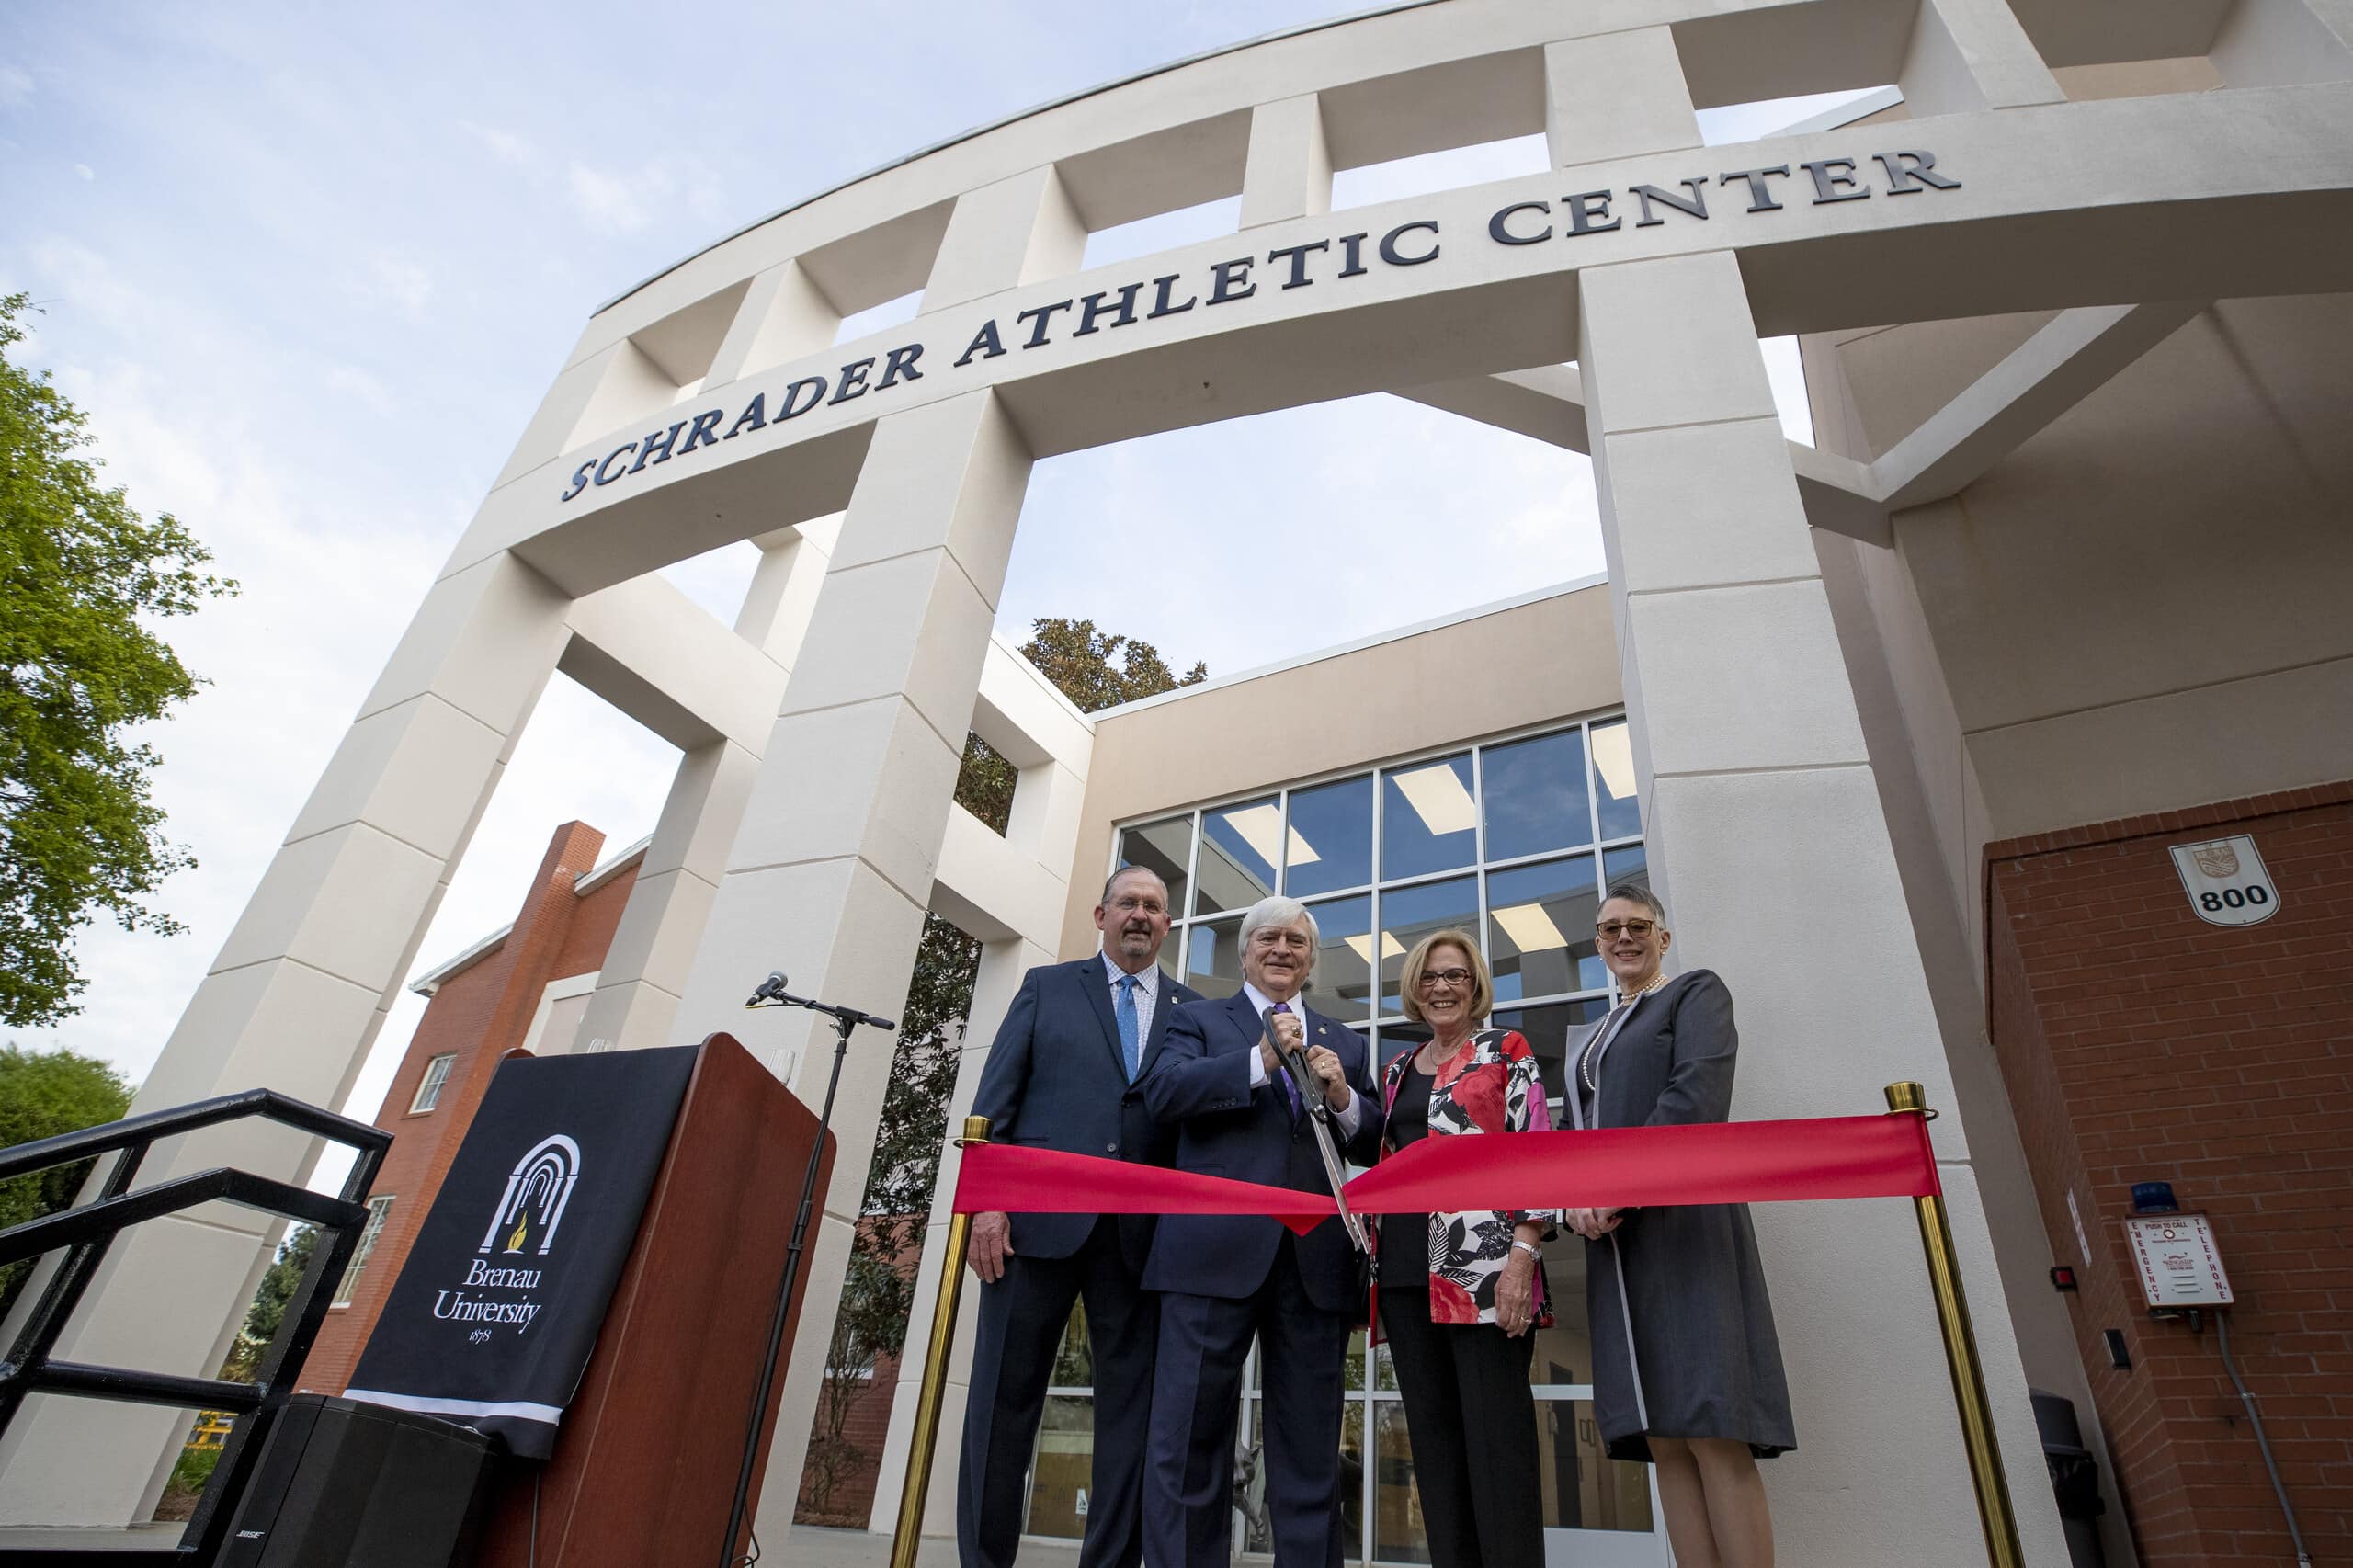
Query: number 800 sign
[[2226, 880]]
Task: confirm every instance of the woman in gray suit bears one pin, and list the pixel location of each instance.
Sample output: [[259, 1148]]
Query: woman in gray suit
[[1686, 1368]]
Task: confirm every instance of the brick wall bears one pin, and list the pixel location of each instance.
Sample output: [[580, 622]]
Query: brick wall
[[479, 1014], [2141, 1043]]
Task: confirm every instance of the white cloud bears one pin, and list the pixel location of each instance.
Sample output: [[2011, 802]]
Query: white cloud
[[16, 85], [357, 383], [85, 171], [507, 146], [82, 287], [391, 280], [608, 203]]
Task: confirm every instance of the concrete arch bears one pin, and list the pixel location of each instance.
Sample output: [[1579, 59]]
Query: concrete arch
[[829, 836]]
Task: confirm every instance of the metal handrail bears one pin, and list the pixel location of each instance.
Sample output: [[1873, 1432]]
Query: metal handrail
[[85, 1232]]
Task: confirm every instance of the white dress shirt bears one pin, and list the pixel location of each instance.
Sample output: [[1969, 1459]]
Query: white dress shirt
[[1147, 997], [1350, 1115]]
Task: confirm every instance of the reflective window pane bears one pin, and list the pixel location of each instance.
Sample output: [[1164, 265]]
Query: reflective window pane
[[1239, 847], [1584, 1490], [1547, 1030], [1213, 957], [1563, 1359], [1408, 914], [1625, 864], [1162, 847], [1341, 982], [1539, 929], [1065, 1463], [1074, 1357], [1352, 1479], [1534, 795], [1428, 822], [1330, 842], [1613, 774], [1398, 1535], [1255, 1530]]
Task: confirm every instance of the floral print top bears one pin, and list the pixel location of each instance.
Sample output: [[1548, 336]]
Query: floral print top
[[1489, 1087]]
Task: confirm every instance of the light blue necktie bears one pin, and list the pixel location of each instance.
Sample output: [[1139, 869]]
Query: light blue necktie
[[1130, 1031]]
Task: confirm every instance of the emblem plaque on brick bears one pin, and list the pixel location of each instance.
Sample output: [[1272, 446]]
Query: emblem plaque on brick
[[2226, 880]]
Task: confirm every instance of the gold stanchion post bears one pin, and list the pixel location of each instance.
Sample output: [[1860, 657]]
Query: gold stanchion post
[[909, 1533], [1993, 1510]]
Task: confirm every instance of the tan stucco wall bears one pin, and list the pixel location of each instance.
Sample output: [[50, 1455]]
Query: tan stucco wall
[[1554, 658]]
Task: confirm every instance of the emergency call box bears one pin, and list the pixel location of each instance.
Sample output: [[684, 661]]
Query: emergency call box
[[2179, 1266]]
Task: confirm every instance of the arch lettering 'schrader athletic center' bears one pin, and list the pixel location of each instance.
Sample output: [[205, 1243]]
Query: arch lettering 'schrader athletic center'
[[1901, 724]]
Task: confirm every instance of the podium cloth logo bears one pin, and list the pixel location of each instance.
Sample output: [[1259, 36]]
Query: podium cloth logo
[[535, 1197]]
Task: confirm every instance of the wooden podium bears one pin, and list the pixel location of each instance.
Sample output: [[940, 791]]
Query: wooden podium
[[644, 1467]]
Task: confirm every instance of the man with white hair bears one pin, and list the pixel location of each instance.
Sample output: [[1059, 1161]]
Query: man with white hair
[[1220, 1080]]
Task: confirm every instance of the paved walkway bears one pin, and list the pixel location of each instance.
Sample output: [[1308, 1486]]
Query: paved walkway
[[810, 1547]]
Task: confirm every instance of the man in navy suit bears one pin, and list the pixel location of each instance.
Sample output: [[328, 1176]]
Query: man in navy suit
[[1065, 1074], [1220, 1078]]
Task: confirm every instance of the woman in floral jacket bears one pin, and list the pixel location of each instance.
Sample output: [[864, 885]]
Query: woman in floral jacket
[[1461, 1292]]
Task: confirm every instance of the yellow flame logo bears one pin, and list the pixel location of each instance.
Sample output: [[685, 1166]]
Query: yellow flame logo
[[515, 1242]]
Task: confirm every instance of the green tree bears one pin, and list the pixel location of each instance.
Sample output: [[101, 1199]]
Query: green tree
[[279, 1283], [1079, 660], [879, 1287], [43, 1093], [82, 576]]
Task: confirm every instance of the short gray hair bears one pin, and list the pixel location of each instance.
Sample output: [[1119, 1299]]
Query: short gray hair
[[1638, 892], [1113, 880], [1276, 910]]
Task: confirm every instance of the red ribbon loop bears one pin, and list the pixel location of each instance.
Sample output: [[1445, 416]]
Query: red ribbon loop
[[1619, 1167]]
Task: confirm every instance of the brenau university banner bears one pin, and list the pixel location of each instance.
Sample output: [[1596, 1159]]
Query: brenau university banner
[[494, 1316]]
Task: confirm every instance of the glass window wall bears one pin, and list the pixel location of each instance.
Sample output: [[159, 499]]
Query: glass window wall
[[1515, 840]]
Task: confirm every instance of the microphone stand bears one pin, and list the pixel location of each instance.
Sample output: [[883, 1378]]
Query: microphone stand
[[845, 1020]]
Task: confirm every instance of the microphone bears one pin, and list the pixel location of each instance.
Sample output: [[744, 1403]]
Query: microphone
[[770, 988]]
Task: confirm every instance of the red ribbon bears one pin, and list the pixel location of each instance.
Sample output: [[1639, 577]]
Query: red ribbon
[[1620, 1167]]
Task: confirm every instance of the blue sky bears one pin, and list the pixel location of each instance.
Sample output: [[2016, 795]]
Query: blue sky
[[310, 270]]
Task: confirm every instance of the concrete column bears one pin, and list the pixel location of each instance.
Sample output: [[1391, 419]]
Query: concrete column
[[1018, 230], [783, 594], [1615, 96], [832, 869], [2266, 43], [1770, 846], [1002, 966], [1288, 172], [294, 1001], [644, 971], [1971, 55], [784, 315]]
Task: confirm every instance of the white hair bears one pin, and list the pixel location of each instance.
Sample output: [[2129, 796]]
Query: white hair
[[1276, 910]]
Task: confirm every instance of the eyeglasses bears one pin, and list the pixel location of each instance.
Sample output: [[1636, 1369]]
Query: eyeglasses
[[1611, 930], [1434, 977]]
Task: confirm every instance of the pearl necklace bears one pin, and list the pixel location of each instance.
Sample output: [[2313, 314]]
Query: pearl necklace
[[1585, 1067]]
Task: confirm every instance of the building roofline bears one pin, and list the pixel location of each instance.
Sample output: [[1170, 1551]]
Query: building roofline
[[1394, 635], [426, 985]]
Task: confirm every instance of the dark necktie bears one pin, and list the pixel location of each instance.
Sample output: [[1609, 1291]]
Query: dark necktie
[[1291, 1090]]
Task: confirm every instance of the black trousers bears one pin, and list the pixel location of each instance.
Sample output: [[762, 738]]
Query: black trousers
[[1472, 1421], [1196, 1404], [1021, 1321]]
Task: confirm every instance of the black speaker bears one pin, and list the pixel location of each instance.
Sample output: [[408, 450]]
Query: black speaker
[[341, 1484]]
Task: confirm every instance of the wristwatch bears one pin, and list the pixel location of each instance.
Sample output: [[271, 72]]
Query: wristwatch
[[1531, 1248]]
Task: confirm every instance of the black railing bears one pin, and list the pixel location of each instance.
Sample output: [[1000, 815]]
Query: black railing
[[89, 1230]]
